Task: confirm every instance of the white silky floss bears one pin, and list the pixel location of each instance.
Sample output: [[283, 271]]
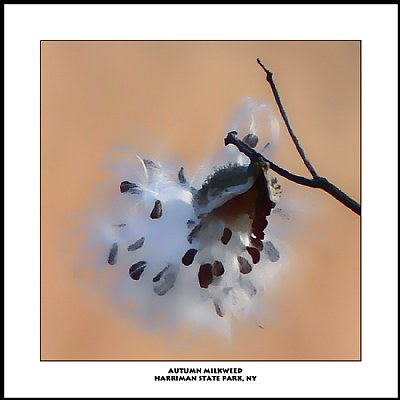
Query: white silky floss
[[165, 243]]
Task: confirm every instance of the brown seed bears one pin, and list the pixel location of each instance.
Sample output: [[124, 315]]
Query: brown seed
[[181, 177], [137, 245], [136, 270], [112, 256], [188, 258], [251, 140], [226, 236], [158, 276], [244, 266], [257, 243], [255, 254], [157, 210], [129, 187], [218, 268], [205, 275], [164, 280]]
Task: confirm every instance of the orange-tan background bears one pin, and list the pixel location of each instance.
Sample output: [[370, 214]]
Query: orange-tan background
[[95, 95]]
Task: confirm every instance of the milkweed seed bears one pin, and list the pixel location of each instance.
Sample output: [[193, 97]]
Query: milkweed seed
[[129, 187], [188, 258], [205, 275], [251, 140], [226, 236], [244, 266], [181, 177], [137, 245], [271, 251], [257, 243], [218, 268], [218, 309], [136, 270], [112, 256], [157, 210], [168, 276], [255, 254]]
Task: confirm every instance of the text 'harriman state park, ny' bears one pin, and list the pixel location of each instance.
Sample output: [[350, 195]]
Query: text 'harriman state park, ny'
[[205, 375]]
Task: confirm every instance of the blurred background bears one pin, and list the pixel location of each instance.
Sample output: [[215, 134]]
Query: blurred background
[[176, 98]]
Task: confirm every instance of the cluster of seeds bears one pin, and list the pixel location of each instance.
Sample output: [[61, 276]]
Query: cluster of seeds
[[258, 205]]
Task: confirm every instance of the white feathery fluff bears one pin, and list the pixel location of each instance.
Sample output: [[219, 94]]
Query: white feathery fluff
[[168, 257]]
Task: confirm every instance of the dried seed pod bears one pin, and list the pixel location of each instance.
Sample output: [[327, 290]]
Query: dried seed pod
[[136, 270], [137, 245], [157, 210], [188, 258], [244, 266], [112, 255], [205, 275]]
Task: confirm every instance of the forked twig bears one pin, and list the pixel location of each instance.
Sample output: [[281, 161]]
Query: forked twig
[[316, 181]]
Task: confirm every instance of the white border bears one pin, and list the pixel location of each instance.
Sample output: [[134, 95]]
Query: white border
[[376, 26]]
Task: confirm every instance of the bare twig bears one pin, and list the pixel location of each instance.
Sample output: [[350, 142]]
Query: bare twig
[[316, 181], [285, 118]]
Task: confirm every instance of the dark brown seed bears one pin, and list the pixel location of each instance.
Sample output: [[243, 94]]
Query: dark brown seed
[[244, 266], [226, 236], [251, 140], [218, 309], [257, 243], [205, 275], [136, 270], [188, 258], [129, 187], [137, 245], [112, 256], [157, 210], [181, 177], [168, 276], [218, 268], [158, 276], [255, 254]]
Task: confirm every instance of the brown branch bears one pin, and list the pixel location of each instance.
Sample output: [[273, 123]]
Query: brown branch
[[285, 118], [317, 181]]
